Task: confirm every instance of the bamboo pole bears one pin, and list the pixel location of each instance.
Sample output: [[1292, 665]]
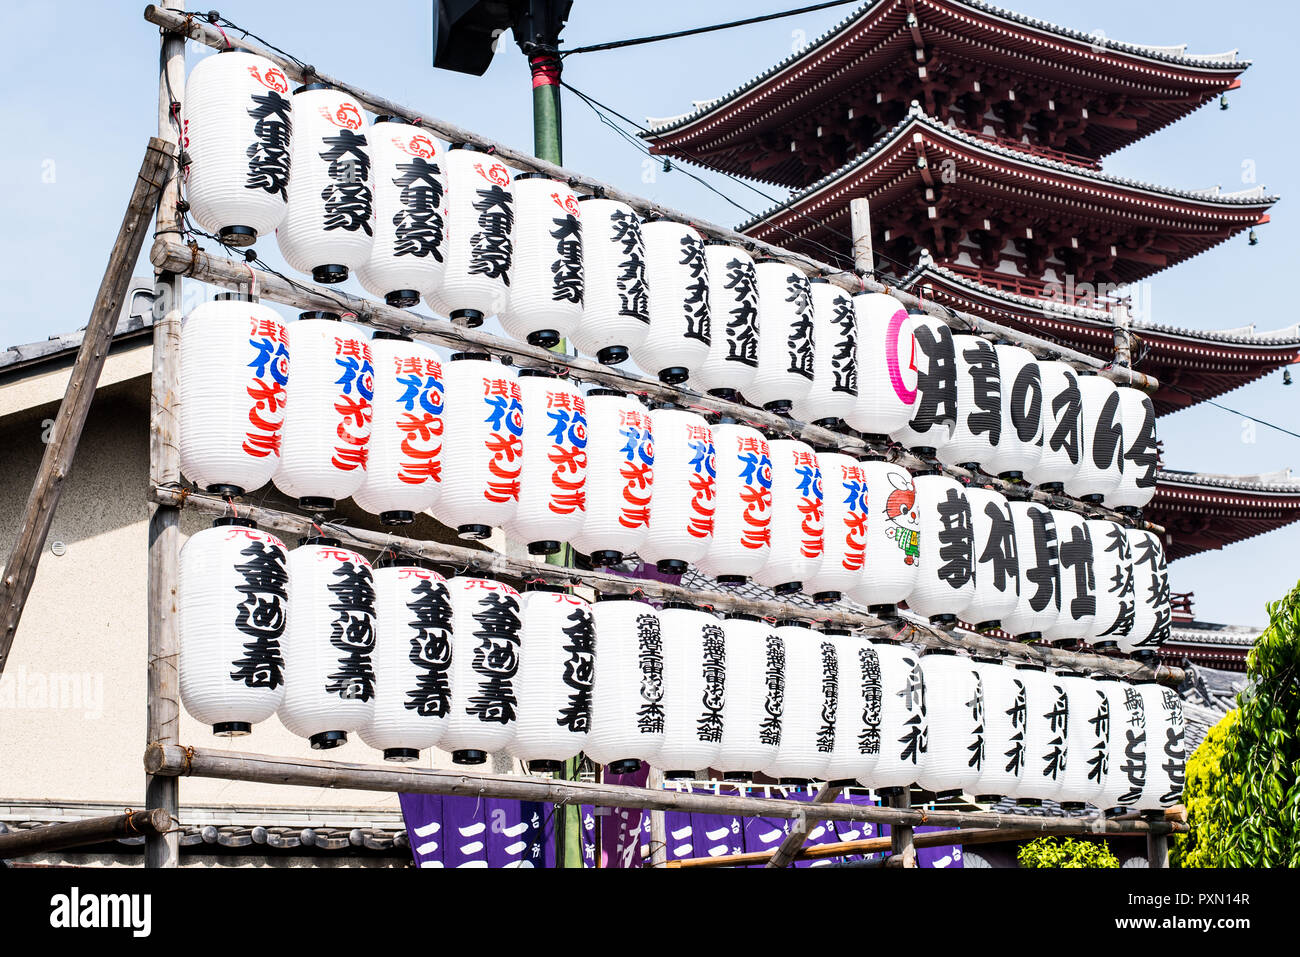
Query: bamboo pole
[[1157, 850], [789, 849], [902, 839], [92, 830], [208, 34], [658, 830]]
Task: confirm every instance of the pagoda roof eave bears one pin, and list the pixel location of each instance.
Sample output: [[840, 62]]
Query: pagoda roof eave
[[1205, 511]]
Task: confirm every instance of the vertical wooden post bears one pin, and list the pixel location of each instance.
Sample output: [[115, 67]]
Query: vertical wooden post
[[1157, 850], [900, 836], [1123, 338], [163, 707], [860, 224], [658, 831]]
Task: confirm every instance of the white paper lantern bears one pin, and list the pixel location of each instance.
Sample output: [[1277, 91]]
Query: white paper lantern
[[556, 664], [1005, 718], [404, 458], [811, 699], [479, 244], [325, 439], [1020, 449], [1074, 549], [1063, 444], [233, 600], [1126, 759], [834, 390], [977, 429], [1151, 602], [887, 366], [627, 689], [857, 721], [893, 552], [784, 373], [677, 284], [1101, 466], [683, 497], [1166, 752], [904, 719], [553, 479], [327, 228], [412, 659], [410, 222], [997, 566], [1112, 564], [1037, 550], [945, 578], [733, 312], [615, 315], [545, 302], [934, 415], [328, 643], [742, 518], [751, 733], [237, 127], [1088, 742], [798, 517], [234, 367], [620, 477], [955, 705], [844, 539], [486, 640], [1047, 714], [695, 690], [482, 444], [1141, 455]]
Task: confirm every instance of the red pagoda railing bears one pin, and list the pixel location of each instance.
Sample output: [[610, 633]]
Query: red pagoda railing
[[1034, 149], [1034, 288]]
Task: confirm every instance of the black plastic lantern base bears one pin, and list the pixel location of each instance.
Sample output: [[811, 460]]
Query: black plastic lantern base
[[328, 739], [545, 767], [831, 423], [788, 588], [604, 557], [1132, 513], [1145, 656], [403, 298], [947, 795], [826, 597], [842, 783], [969, 466], [399, 517], [732, 579], [987, 798], [544, 338], [1072, 805], [612, 355], [924, 452], [625, 766], [879, 438], [778, 407], [729, 394], [1065, 644], [795, 782], [674, 375], [225, 491], [943, 621], [742, 777], [1029, 637], [238, 236], [473, 533], [315, 503], [401, 755], [991, 625], [1052, 488], [671, 566], [889, 792], [1153, 815], [1095, 499], [1105, 645], [232, 729], [883, 612], [469, 756], [543, 548], [1114, 811], [330, 275], [1029, 802], [469, 318], [1012, 476], [678, 775]]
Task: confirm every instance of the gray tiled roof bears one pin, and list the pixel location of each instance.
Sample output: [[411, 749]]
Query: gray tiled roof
[[1275, 482]]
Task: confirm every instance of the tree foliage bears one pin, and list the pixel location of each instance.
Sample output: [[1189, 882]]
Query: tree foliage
[[1066, 852], [1194, 849]]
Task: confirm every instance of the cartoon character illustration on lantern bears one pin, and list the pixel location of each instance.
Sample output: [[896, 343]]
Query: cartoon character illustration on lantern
[[904, 524]]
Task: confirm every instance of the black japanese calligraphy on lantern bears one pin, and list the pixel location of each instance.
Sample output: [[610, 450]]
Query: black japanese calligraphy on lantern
[[268, 155], [567, 267], [1121, 582], [1173, 765], [1142, 452], [769, 730], [936, 384], [430, 649], [695, 307], [1027, 404], [580, 645], [1067, 406], [1108, 435], [632, 294], [799, 337], [1156, 595], [353, 631], [742, 327], [999, 552], [347, 196], [496, 658], [1058, 725], [259, 615], [1076, 557], [1018, 713], [714, 668], [976, 707], [916, 729], [1098, 763], [650, 658], [418, 222], [1134, 767], [830, 697], [956, 543], [1045, 574], [490, 248], [869, 665], [844, 361], [986, 389]]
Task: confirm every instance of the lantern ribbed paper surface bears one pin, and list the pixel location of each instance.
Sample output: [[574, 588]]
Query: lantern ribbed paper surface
[[887, 378], [1166, 753], [1038, 553], [486, 638], [1112, 565], [238, 130], [412, 660], [483, 445], [233, 597], [545, 302], [834, 390], [784, 373], [1141, 455], [857, 722], [945, 578], [234, 368], [620, 477], [1151, 607], [480, 225], [1020, 449], [326, 229], [742, 516], [556, 663], [844, 539], [1046, 733], [410, 214], [683, 499], [977, 429], [955, 699], [404, 458], [328, 641], [1005, 704], [695, 690], [904, 718], [807, 731], [615, 314], [1101, 464], [733, 311], [553, 476], [327, 413], [627, 689], [798, 517], [751, 733], [934, 414], [1074, 548], [1126, 754], [1088, 742], [893, 551], [677, 284], [997, 565], [1062, 427]]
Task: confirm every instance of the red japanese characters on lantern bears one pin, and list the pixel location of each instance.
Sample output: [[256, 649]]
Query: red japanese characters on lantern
[[845, 539], [683, 502], [553, 471], [798, 517], [742, 517]]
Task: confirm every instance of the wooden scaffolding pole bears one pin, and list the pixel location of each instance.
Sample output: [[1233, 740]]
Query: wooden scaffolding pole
[[789, 849], [92, 830]]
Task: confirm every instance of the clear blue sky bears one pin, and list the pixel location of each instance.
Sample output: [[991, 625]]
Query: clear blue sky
[[81, 83]]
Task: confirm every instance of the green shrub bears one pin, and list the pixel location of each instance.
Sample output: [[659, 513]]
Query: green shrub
[[1194, 849], [1066, 852]]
